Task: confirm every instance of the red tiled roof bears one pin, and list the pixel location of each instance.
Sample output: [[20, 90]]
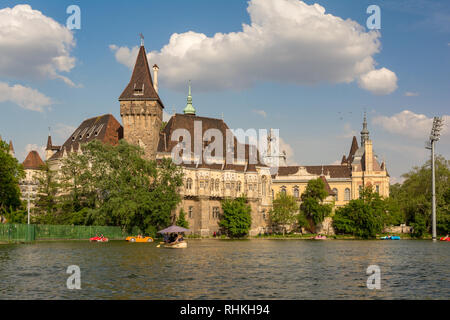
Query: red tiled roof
[[33, 161]]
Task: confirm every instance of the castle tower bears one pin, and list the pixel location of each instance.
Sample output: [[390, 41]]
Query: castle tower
[[141, 108]]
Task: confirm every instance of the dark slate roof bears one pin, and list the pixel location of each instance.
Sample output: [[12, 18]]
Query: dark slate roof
[[140, 86], [335, 171], [33, 161], [104, 128], [353, 148], [50, 146], [183, 121]]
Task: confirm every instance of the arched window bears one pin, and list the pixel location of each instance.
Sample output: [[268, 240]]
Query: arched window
[[347, 194], [283, 190], [263, 186], [377, 189], [189, 184], [335, 191], [202, 183], [296, 192]]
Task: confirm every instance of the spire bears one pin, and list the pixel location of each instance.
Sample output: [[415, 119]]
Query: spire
[[365, 131], [11, 147], [49, 143], [189, 107], [354, 147], [141, 86]]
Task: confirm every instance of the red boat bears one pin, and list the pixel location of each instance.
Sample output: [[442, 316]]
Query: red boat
[[99, 239], [445, 239]]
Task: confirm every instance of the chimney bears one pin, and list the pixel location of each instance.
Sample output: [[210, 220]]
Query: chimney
[[155, 77]]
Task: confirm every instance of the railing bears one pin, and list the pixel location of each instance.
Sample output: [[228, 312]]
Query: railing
[[28, 233]]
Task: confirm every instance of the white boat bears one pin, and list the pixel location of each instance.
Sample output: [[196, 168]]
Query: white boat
[[178, 245]]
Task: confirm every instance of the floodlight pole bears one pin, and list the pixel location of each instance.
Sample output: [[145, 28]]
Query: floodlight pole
[[433, 193]]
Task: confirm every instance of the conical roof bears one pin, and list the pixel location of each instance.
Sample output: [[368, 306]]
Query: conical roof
[[140, 86], [33, 161]]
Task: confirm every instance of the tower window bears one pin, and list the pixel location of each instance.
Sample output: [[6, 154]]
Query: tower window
[[335, 191]]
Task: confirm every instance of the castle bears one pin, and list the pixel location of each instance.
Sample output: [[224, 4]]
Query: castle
[[207, 181]]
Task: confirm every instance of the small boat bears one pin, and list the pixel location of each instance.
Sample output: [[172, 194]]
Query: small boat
[[139, 239], [179, 245], [445, 239], [99, 239], [319, 237], [390, 238]]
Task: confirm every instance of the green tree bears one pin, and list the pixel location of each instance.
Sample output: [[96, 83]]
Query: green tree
[[11, 171], [284, 211], [312, 206], [236, 219], [413, 196], [46, 204], [363, 217], [181, 221], [115, 185]]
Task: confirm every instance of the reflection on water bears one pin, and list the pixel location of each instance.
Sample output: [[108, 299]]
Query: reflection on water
[[220, 269]]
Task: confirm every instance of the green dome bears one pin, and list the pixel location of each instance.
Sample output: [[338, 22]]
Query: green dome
[[189, 107]]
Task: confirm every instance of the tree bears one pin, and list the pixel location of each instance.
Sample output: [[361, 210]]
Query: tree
[[312, 206], [363, 217], [413, 196], [46, 204], [284, 210], [11, 171], [181, 221], [236, 219], [117, 186]]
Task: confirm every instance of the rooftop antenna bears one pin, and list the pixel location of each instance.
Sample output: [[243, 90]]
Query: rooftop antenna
[[142, 39]]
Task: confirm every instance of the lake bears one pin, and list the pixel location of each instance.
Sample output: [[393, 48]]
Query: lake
[[227, 269]]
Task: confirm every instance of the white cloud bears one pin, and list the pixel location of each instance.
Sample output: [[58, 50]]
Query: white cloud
[[33, 45], [124, 55], [63, 131], [40, 149], [285, 147], [287, 41], [411, 94], [24, 97], [380, 82], [410, 124], [260, 112]]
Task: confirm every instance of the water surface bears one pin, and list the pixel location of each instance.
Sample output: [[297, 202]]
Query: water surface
[[225, 269]]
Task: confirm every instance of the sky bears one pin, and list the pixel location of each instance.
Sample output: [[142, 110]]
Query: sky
[[308, 68]]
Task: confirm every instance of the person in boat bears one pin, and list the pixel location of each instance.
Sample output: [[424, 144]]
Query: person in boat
[[178, 239]]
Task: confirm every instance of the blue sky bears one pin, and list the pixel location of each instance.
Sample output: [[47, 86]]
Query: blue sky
[[316, 118]]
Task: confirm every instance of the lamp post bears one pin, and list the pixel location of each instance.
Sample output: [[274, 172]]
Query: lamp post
[[434, 136]]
